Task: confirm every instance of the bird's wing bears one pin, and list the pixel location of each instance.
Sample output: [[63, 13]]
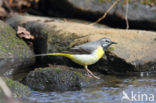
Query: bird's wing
[[77, 51], [86, 48]]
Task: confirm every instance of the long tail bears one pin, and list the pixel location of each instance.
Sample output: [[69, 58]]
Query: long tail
[[60, 54], [45, 54]]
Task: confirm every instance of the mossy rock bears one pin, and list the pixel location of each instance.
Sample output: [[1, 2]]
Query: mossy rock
[[56, 79], [14, 52], [18, 89]]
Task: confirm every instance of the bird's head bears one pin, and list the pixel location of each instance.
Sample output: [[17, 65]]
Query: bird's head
[[106, 42]]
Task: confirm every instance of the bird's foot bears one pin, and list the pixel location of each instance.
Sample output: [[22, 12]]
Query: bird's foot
[[95, 77], [88, 74], [91, 75]]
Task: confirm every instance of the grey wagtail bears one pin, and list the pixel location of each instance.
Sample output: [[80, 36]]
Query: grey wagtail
[[86, 54]]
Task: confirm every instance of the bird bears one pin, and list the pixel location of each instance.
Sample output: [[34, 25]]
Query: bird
[[86, 54]]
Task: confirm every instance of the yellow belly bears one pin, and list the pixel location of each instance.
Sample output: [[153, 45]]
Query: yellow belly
[[85, 59]]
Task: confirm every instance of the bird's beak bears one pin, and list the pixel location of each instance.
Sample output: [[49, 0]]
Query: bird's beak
[[114, 43]]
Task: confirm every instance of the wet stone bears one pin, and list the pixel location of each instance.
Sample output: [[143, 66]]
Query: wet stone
[[53, 79]]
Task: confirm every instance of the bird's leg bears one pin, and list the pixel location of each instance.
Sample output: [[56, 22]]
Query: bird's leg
[[90, 73]]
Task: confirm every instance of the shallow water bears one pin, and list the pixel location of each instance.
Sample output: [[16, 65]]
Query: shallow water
[[112, 89]]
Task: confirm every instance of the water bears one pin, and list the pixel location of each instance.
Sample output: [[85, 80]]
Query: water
[[111, 89]]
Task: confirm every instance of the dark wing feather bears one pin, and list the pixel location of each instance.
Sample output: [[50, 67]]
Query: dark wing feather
[[86, 48], [77, 51]]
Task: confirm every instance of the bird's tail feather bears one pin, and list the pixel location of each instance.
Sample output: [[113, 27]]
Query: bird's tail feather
[[45, 54], [60, 54]]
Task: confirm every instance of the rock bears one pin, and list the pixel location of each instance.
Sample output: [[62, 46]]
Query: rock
[[119, 10], [15, 55], [18, 90], [134, 52], [56, 78], [5, 99], [140, 16]]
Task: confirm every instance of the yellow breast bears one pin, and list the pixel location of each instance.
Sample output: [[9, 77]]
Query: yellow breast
[[100, 52]]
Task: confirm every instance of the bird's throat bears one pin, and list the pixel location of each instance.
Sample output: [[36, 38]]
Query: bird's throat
[[100, 52]]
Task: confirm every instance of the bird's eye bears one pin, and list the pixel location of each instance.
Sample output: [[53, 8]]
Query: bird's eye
[[107, 41]]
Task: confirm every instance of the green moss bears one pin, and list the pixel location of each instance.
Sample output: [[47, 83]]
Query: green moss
[[81, 76], [3, 49], [41, 69], [148, 2], [18, 89], [10, 43], [48, 68], [59, 69]]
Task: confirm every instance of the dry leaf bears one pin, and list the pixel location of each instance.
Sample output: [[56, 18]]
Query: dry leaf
[[23, 33]]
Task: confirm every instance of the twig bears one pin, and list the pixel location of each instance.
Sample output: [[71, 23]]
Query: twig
[[5, 88], [126, 15], [105, 14]]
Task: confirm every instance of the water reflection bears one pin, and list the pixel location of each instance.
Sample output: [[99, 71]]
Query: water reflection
[[110, 90]]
